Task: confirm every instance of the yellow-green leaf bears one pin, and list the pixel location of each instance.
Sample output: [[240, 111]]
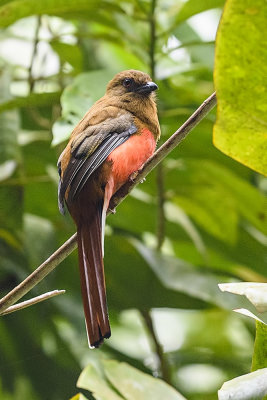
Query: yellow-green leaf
[[240, 80], [260, 347], [134, 384]]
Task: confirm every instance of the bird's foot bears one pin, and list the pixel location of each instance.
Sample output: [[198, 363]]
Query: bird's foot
[[112, 210], [133, 176]]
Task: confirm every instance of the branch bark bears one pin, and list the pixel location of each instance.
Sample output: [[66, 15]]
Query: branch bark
[[31, 302], [60, 254]]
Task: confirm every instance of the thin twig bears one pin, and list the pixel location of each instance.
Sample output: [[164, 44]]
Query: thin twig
[[152, 43], [164, 367], [34, 52], [31, 302], [60, 254], [36, 116]]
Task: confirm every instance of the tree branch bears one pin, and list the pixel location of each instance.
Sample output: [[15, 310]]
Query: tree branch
[[61, 253], [33, 301]]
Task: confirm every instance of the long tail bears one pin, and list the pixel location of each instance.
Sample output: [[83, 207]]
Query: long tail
[[93, 280]]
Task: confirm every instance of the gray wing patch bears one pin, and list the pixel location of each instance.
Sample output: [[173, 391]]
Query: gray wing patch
[[80, 168]]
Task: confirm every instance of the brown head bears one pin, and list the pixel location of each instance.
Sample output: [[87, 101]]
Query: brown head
[[134, 91], [131, 83]]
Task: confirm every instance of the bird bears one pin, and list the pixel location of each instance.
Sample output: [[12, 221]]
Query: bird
[[110, 143]]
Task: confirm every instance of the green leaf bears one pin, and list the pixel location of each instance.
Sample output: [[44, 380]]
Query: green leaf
[[17, 9], [220, 220], [128, 274], [121, 58], [192, 7], [93, 379], [251, 386], [215, 259], [179, 275], [134, 384], [129, 383], [222, 189], [68, 53], [241, 127], [260, 347], [77, 98], [32, 100]]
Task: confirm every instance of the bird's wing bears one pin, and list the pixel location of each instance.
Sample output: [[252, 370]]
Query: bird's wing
[[89, 150]]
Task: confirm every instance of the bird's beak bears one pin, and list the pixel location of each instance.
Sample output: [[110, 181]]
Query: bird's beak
[[147, 88]]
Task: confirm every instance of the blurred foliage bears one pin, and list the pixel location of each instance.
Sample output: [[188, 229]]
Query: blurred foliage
[[168, 316], [113, 379]]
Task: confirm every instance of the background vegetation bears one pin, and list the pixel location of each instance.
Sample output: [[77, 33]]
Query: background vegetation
[[197, 220]]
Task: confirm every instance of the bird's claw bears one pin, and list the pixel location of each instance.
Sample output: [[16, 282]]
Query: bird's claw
[[112, 210], [133, 176]]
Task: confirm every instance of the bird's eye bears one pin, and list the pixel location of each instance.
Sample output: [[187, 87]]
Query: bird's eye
[[127, 82]]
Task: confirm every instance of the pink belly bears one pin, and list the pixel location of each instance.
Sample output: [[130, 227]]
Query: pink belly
[[130, 156]]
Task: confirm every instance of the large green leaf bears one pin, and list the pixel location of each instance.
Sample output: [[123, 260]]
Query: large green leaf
[[240, 81], [120, 381], [178, 275]]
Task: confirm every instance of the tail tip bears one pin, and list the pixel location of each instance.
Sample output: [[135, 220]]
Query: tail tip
[[97, 343]]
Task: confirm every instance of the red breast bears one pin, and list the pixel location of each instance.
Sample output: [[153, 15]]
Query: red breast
[[130, 156]]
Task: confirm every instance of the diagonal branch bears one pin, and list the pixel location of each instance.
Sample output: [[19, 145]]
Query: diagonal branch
[[60, 254]]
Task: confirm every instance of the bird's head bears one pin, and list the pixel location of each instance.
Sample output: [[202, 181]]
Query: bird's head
[[131, 84]]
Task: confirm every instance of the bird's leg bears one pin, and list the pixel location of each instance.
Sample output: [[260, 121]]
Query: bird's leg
[[134, 175]]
